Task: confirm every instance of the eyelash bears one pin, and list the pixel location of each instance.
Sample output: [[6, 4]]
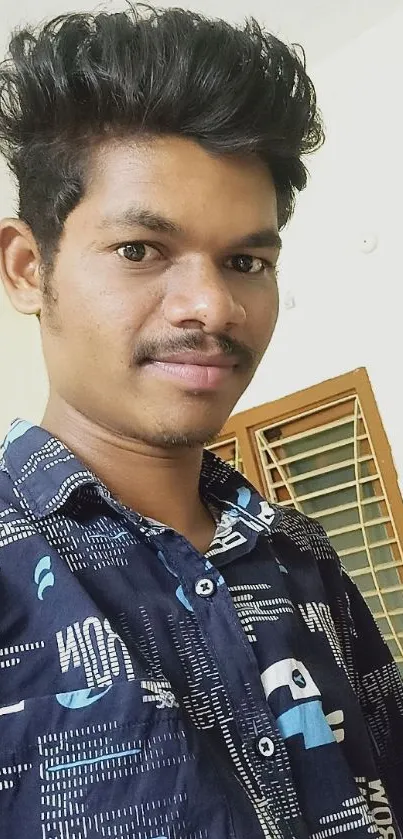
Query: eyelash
[[267, 265]]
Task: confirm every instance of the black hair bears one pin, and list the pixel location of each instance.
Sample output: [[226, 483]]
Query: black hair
[[81, 78]]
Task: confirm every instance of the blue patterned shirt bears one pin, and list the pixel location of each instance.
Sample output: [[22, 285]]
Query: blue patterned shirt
[[148, 691]]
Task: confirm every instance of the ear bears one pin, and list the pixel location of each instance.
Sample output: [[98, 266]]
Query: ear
[[20, 266]]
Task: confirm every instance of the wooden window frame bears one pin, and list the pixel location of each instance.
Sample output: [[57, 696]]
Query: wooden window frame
[[243, 425]]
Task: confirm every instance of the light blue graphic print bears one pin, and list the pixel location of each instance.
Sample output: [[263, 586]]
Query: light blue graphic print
[[17, 430], [43, 576], [180, 594], [256, 521], [80, 698], [244, 497], [306, 717], [91, 761], [309, 720]]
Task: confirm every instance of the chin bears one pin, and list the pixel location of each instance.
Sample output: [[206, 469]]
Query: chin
[[178, 435], [172, 424]]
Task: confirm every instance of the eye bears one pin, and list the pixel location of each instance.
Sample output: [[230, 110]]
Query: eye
[[247, 264], [138, 252]]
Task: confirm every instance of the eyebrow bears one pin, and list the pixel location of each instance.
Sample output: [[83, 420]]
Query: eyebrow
[[265, 238]]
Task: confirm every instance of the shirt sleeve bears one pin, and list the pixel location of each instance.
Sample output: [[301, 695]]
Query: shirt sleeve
[[379, 688]]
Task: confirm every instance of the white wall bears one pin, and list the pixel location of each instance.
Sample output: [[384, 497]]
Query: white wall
[[349, 305]]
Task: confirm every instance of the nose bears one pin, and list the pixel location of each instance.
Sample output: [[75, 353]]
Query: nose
[[198, 295]]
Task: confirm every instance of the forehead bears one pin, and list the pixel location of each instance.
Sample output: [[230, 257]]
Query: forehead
[[177, 178]]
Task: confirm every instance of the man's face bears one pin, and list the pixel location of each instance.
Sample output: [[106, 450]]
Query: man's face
[[161, 312]]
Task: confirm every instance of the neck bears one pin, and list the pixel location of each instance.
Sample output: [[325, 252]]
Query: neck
[[160, 483]]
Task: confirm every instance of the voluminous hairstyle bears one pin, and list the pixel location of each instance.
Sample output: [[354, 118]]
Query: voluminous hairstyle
[[83, 78]]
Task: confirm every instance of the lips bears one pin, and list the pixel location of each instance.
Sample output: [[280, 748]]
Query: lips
[[195, 371], [198, 359]]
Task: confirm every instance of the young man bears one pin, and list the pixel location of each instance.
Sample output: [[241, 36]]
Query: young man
[[164, 674]]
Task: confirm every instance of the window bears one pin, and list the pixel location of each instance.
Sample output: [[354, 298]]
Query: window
[[324, 451]]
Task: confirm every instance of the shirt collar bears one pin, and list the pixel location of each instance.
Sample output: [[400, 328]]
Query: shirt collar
[[46, 475]]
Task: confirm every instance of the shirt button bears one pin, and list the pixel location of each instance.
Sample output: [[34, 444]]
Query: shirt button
[[265, 747], [205, 587]]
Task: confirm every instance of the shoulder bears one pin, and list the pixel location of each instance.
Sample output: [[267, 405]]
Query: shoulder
[[305, 533], [15, 523]]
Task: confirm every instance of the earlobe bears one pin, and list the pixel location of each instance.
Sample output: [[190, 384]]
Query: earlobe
[[20, 266]]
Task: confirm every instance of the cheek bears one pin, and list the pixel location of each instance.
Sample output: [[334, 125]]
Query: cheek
[[262, 314], [99, 307], [102, 326]]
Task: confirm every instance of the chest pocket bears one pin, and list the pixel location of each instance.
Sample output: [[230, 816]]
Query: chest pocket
[[116, 761]]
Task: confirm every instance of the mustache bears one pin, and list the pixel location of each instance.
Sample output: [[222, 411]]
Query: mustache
[[152, 348]]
